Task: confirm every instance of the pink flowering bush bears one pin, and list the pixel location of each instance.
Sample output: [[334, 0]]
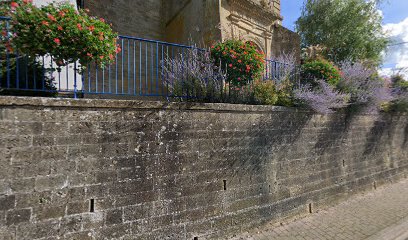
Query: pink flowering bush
[[240, 60], [63, 32]]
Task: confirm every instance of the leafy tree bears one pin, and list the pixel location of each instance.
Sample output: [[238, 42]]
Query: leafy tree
[[349, 29]]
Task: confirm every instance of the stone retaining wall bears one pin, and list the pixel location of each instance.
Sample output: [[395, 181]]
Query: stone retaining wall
[[110, 169]]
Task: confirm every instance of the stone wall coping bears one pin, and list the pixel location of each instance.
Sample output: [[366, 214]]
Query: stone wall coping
[[42, 102]]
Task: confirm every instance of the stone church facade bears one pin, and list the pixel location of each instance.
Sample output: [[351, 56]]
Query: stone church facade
[[200, 22]]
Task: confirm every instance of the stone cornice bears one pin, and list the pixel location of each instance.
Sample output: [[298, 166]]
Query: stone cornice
[[254, 10]]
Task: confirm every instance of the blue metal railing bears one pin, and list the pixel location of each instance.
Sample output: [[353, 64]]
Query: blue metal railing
[[275, 71], [27, 75], [136, 71]]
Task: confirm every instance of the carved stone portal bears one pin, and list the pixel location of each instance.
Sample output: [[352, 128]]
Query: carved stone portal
[[251, 20]]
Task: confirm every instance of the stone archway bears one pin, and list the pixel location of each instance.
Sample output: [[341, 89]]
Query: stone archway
[[258, 44], [251, 21]]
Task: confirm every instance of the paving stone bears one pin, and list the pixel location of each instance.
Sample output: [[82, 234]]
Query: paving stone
[[379, 215]]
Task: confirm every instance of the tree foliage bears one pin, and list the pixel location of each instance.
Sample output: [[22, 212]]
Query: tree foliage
[[349, 29]]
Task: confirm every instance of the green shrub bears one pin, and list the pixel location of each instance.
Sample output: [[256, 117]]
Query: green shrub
[[285, 93], [240, 60], [396, 106], [399, 82], [400, 102], [319, 69], [265, 92]]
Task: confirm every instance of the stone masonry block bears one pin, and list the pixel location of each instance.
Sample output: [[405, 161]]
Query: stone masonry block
[[71, 224], [77, 207], [142, 211], [114, 216], [49, 212], [7, 202], [15, 217], [50, 182], [22, 185], [43, 229]]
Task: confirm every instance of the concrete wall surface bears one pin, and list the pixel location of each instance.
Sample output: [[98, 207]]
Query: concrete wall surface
[[115, 169]]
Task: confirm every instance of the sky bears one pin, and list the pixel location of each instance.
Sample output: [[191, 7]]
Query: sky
[[395, 23]]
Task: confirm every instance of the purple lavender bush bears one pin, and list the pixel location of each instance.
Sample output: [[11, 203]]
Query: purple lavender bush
[[367, 90], [322, 98], [193, 74]]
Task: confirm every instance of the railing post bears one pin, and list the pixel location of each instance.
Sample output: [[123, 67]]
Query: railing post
[[83, 84], [266, 69], [17, 70], [7, 54], [75, 80]]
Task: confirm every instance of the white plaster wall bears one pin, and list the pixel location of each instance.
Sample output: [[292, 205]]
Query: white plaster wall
[[44, 2]]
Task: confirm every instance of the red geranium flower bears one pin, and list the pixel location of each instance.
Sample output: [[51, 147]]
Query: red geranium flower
[[79, 26], [60, 28], [91, 28], [45, 23], [14, 5], [8, 47], [52, 18], [57, 41]]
